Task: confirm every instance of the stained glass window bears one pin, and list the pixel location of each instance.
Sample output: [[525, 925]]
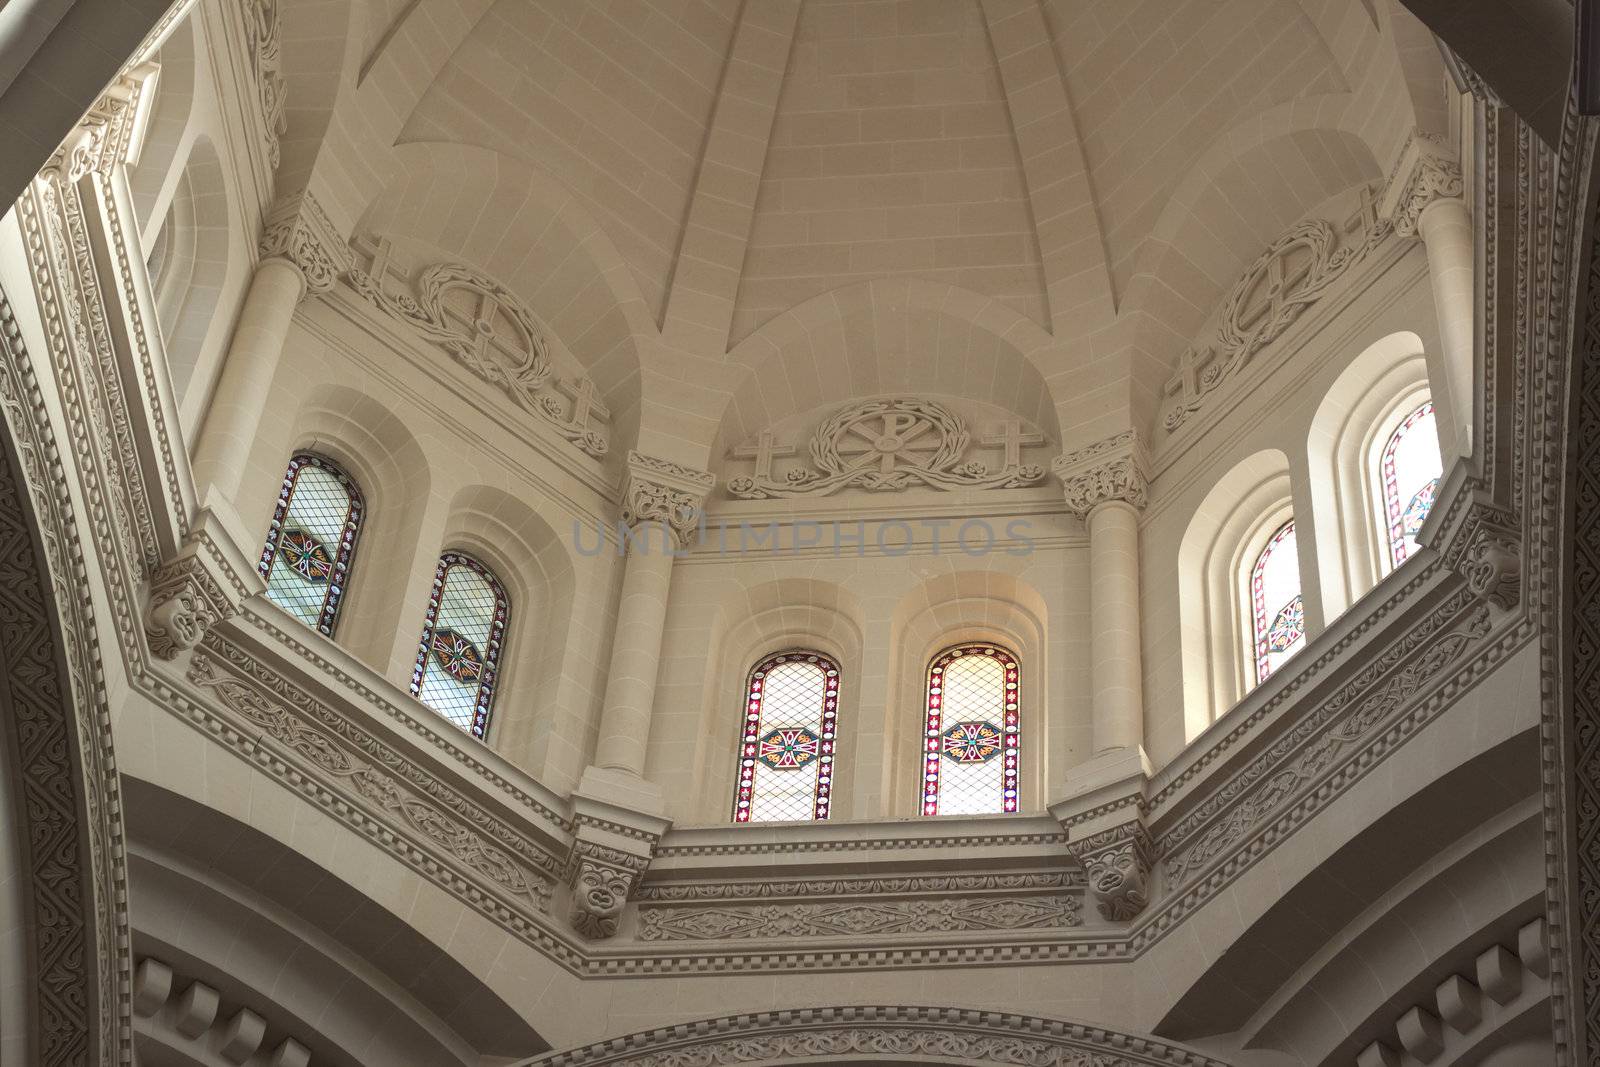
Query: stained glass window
[[306, 561], [1278, 624], [1409, 468], [458, 659], [787, 747], [969, 759]]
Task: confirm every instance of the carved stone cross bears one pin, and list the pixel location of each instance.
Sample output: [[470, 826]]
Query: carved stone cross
[[586, 402], [1011, 434], [763, 452], [1365, 217]]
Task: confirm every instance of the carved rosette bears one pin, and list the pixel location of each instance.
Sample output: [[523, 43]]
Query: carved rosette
[[298, 230], [602, 880], [1117, 864], [1111, 469], [204, 584], [1424, 174], [658, 492]]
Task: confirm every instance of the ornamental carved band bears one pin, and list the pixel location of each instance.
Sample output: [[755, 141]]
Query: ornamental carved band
[[106, 135], [1117, 864], [658, 492], [299, 231], [1112, 469], [888, 444], [602, 879]]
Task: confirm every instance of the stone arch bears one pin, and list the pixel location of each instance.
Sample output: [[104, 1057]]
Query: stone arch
[[873, 1033], [1225, 534], [63, 852], [1353, 419], [951, 609], [894, 335]]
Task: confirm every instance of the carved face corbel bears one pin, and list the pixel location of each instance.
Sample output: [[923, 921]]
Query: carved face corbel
[[1119, 878], [599, 893]]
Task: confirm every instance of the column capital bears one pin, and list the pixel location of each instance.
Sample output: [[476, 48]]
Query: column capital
[[1114, 468], [659, 491], [1424, 173], [299, 232]]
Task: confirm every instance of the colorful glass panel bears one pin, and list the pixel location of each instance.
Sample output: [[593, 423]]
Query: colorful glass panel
[[1409, 468], [312, 540], [458, 658], [971, 732], [1278, 622], [786, 750]]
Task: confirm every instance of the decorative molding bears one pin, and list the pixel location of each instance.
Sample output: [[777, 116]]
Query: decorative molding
[[110, 132], [885, 445], [1296, 270], [856, 918], [263, 42], [408, 797], [659, 492], [487, 329], [1423, 173], [1114, 468], [839, 887], [891, 1033], [299, 231], [204, 584]]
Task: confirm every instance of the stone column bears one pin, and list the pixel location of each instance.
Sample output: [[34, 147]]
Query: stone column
[[1105, 484], [302, 254], [1423, 197], [661, 507]]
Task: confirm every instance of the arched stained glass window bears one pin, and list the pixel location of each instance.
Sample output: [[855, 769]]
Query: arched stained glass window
[[786, 751], [458, 659], [969, 760], [1409, 468], [306, 561], [1278, 623]]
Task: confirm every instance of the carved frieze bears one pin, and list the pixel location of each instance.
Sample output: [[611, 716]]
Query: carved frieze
[[1111, 469], [847, 918], [659, 492], [108, 134], [490, 331], [263, 43], [889, 444], [1296, 270]]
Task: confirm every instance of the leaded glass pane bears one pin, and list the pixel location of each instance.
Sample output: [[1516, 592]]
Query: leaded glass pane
[[1409, 468], [306, 561], [787, 745], [1278, 623], [458, 659], [970, 741]]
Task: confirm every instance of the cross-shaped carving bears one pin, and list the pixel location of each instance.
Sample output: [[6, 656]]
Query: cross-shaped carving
[[763, 452], [1011, 434], [1277, 279], [586, 402], [478, 326], [1187, 379], [899, 434], [1365, 217]]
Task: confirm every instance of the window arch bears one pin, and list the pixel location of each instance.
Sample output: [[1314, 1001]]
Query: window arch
[[1409, 469], [458, 658], [312, 540], [971, 732], [787, 747], [1277, 609]]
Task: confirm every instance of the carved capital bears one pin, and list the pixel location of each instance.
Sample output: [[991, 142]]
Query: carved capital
[[111, 132], [299, 231], [602, 879], [1425, 173], [1114, 468], [1117, 863], [660, 492], [198, 588]]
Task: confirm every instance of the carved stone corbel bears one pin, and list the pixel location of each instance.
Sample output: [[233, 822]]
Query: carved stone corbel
[[612, 845], [658, 492], [1478, 539], [1103, 814], [299, 231], [204, 584], [1425, 173], [1117, 864], [1114, 468]]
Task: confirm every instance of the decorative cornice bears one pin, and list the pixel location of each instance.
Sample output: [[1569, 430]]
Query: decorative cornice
[[299, 231], [907, 1034], [110, 132], [1423, 173], [1114, 468], [659, 492]]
